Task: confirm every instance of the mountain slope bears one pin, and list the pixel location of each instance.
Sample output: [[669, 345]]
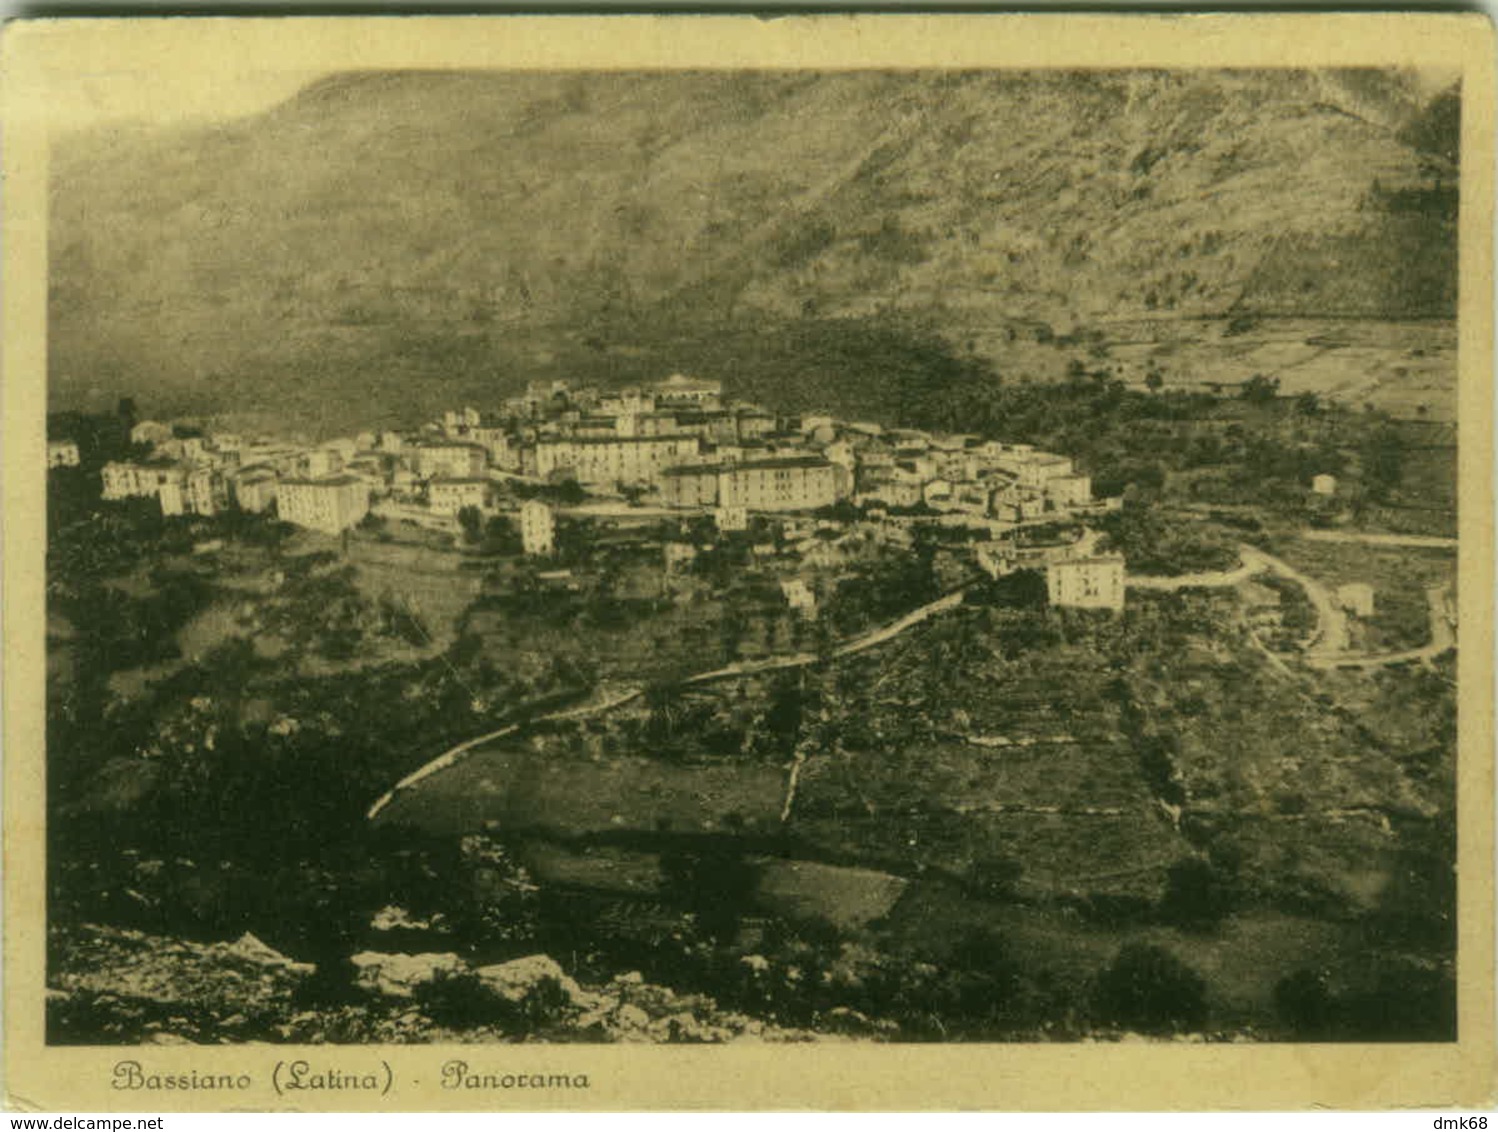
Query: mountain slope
[[386, 242]]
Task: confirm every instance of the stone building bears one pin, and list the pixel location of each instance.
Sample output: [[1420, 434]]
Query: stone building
[[331, 504], [1095, 582]]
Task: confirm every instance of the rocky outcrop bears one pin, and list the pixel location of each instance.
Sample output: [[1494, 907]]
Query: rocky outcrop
[[399, 976], [520, 979], [250, 948], [116, 986]]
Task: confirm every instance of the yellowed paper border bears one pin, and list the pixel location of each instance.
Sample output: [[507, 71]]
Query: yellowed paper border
[[42, 64]]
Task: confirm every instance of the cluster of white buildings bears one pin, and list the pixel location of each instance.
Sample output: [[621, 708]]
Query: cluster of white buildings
[[62, 454], [676, 444], [321, 487], [682, 445], [1077, 574]]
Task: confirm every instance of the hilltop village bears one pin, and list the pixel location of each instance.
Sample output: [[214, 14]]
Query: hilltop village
[[673, 449]]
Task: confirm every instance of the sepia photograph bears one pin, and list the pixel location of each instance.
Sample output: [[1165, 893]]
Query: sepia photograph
[[805, 557]]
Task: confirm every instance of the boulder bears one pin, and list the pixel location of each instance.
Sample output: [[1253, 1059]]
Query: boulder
[[687, 1027], [398, 976], [521, 979], [251, 949], [630, 1018]]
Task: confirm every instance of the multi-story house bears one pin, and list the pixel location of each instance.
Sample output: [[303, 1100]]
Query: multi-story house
[[793, 483], [448, 459], [449, 496], [1036, 469], [609, 460], [331, 504], [1069, 491], [537, 527], [255, 489], [679, 389], [204, 491], [496, 442], [62, 454], [124, 480], [1092, 582]]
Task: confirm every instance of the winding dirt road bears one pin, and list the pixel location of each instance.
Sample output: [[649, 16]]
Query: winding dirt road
[[606, 699]]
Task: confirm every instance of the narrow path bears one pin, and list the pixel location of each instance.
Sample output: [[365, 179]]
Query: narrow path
[[611, 699], [1041, 811], [453, 755], [1330, 635], [857, 645], [1373, 538], [792, 781], [1329, 645], [441, 762], [1247, 568], [1442, 637]]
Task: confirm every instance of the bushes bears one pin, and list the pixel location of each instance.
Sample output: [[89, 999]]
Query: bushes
[[1023, 589], [1146, 988], [895, 244], [800, 243], [1153, 546], [464, 1001], [1304, 1002], [1198, 894], [1403, 1001], [882, 591]]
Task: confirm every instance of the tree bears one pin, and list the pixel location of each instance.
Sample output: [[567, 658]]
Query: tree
[[732, 628], [1154, 380], [471, 519], [1146, 988], [1198, 894], [501, 536], [667, 702], [1407, 1000], [787, 709], [996, 878], [1437, 128], [716, 884], [1382, 459], [1020, 589], [1260, 390], [989, 977], [1305, 1003]]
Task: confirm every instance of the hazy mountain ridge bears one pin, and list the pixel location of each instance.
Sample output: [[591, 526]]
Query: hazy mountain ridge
[[441, 231]]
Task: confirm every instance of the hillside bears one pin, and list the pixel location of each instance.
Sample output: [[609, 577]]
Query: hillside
[[383, 244]]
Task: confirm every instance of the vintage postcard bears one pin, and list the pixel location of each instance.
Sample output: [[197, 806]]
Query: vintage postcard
[[844, 562]]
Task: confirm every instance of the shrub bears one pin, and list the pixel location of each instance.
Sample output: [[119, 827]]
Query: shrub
[[1198, 894], [1146, 988], [1304, 1002]]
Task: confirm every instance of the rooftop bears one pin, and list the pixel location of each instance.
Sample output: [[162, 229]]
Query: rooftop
[[1092, 560], [324, 481], [680, 382], [675, 439], [435, 444], [769, 463]]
